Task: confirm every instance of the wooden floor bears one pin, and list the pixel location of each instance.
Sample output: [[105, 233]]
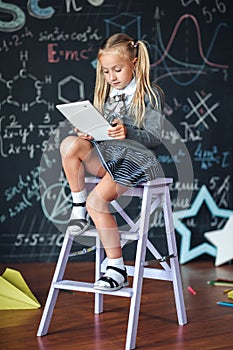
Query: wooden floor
[[74, 325]]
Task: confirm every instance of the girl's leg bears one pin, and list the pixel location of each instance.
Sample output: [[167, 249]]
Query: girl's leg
[[78, 154], [98, 208]]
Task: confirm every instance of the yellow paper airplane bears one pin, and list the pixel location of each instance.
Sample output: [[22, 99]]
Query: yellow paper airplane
[[15, 293], [230, 294]]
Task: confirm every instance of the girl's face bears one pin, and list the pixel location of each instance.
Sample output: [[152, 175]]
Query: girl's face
[[117, 70]]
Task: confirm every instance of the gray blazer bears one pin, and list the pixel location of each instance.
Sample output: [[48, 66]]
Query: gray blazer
[[150, 134], [147, 138]]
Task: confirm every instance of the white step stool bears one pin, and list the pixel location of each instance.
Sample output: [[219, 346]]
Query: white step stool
[[153, 194]]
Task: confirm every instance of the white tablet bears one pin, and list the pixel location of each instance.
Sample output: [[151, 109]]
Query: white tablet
[[86, 118]]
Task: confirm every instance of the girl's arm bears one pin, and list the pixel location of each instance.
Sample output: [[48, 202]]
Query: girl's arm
[[150, 134]]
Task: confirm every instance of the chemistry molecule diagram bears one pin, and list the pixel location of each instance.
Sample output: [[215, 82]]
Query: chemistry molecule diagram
[[21, 129], [25, 80]]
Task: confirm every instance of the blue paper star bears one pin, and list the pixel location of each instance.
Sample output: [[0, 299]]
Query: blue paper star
[[186, 253]]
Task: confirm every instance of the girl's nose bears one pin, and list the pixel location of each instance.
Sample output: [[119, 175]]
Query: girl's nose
[[112, 76]]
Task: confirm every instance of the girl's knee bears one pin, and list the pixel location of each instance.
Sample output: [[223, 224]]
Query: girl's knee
[[91, 203], [68, 145], [74, 146], [95, 204]]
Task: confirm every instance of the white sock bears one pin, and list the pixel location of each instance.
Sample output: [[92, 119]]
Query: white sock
[[119, 262], [79, 197], [79, 212]]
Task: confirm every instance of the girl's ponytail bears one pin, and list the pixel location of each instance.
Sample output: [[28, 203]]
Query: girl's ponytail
[[143, 84]]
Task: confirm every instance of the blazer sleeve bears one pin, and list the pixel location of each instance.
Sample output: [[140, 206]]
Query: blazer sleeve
[[150, 134]]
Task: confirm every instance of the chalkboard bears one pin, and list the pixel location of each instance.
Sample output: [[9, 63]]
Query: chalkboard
[[48, 56]]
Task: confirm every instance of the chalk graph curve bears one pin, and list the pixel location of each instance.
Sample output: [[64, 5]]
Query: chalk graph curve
[[181, 72], [196, 72], [182, 18], [166, 50], [185, 64]]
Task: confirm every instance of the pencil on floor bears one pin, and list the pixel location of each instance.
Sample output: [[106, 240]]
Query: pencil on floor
[[223, 303]]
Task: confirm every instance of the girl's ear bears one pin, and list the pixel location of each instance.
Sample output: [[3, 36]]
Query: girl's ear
[[135, 62]]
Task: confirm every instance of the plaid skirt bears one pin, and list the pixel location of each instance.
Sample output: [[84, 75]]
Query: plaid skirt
[[128, 162]]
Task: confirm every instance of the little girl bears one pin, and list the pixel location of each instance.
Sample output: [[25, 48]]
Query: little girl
[[124, 95]]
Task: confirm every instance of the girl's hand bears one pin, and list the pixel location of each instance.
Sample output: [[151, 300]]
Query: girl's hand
[[117, 130], [81, 135]]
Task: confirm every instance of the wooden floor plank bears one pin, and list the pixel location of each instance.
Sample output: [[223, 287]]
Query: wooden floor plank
[[74, 325]]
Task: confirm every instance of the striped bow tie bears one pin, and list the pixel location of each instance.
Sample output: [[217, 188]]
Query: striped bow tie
[[117, 98], [115, 107]]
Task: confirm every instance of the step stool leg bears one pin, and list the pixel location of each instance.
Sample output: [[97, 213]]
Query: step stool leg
[[98, 262], [53, 292], [138, 272], [174, 262]]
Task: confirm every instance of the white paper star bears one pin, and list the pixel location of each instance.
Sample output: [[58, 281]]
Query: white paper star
[[223, 240]]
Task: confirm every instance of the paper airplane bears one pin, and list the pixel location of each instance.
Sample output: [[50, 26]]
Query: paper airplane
[[15, 293], [230, 294]]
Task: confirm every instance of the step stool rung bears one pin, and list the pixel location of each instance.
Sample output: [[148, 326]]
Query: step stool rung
[[152, 273], [134, 236], [78, 286]]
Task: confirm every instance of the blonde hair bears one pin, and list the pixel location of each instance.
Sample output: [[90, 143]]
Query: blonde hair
[[125, 46]]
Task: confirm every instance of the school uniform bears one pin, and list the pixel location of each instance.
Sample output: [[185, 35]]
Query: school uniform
[[133, 160]]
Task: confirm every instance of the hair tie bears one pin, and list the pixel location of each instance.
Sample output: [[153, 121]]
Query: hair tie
[[135, 44]]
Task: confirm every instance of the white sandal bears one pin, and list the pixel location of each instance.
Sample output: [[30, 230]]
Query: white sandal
[[113, 285], [77, 226]]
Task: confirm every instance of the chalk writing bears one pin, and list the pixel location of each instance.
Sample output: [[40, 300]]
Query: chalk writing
[[15, 138], [190, 133], [57, 54], [221, 188], [185, 186], [19, 18], [2, 218], [24, 192], [214, 221], [27, 189], [210, 157], [218, 223], [39, 239], [196, 114], [171, 135], [175, 158], [200, 111], [29, 182], [191, 223], [186, 3], [57, 34], [209, 13], [15, 40], [157, 219], [78, 8]]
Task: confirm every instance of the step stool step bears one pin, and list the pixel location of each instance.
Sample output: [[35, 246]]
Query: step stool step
[[89, 288], [134, 236]]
